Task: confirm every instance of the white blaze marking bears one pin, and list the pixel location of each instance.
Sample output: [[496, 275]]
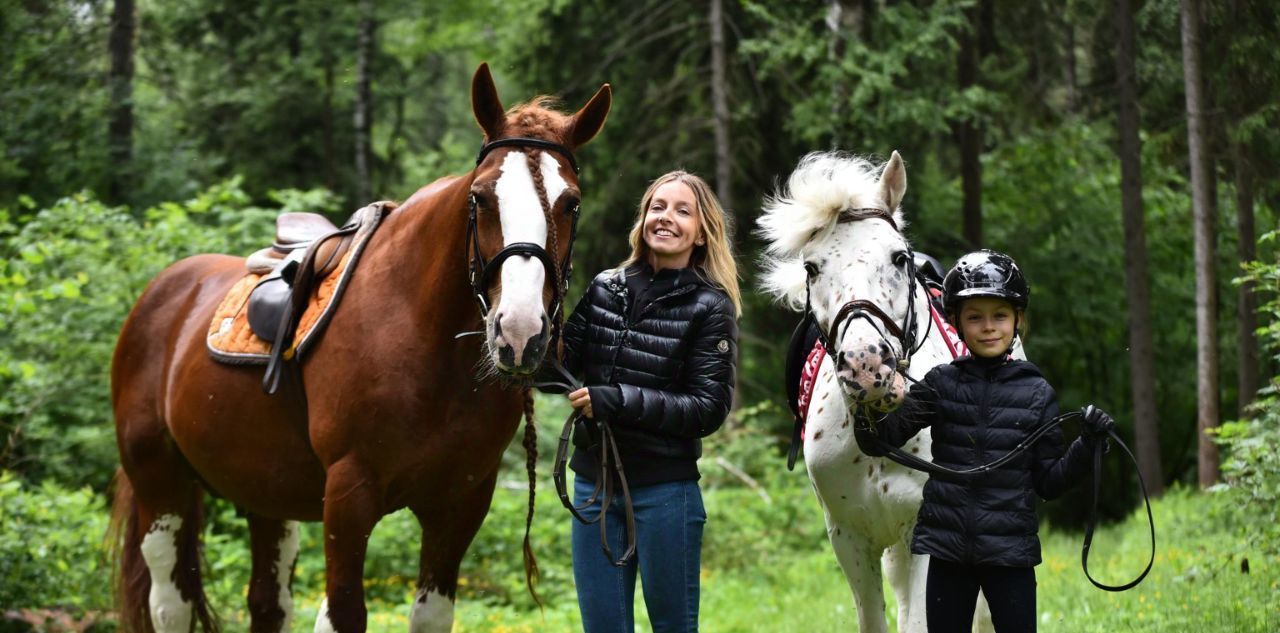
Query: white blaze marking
[[287, 555], [323, 625], [520, 310], [432, 613], [169, 612]]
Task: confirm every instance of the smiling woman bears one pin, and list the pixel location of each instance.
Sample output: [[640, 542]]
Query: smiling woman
[[655, 342]]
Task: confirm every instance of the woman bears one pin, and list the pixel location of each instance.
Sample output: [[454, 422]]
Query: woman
[[655, 341]]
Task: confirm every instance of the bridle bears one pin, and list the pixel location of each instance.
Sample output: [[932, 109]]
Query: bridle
[[481, 271], [868, 310]]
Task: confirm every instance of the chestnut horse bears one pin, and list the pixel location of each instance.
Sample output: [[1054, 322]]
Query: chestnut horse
[[388, 410]]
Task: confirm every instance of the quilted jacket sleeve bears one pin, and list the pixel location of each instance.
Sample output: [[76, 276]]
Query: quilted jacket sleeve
[[1053, 471], [702, 401], [901, 424]]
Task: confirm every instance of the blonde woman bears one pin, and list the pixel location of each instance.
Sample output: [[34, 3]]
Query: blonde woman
[[655, 342]]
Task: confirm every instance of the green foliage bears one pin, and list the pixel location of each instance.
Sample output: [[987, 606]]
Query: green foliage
[[51, 552], [1251, 463]]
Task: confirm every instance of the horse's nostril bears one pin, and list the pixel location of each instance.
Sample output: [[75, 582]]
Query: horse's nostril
[[497, 326], [891, 363]]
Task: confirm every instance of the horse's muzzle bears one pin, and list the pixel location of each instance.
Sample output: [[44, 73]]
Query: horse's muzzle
[[516, 354]]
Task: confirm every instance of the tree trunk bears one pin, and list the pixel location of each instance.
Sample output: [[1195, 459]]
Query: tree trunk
[[120, 128], [1146, 425], [845, 19], [364, 100], [1247, 305], [720, 105], [1203, 228], [968, 131]]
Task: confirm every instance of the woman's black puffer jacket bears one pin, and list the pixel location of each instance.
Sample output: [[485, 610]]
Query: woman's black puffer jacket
[[980, 410], [657, 353]]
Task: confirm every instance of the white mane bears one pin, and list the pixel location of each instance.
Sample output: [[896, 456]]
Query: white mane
[[806, 208]]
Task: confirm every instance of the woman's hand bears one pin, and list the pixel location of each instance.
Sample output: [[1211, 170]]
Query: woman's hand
[[581, 399]]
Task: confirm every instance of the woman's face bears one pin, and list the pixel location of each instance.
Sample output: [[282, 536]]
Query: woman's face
[[987, 325], [672, 226]]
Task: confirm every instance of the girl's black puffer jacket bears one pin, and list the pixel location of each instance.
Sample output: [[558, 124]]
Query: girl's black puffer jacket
[[980, 410], [660, 371]]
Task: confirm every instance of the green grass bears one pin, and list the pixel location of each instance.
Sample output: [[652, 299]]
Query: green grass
[[1196, 583]]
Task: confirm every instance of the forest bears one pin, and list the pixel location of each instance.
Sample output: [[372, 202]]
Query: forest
[[1124, 152]]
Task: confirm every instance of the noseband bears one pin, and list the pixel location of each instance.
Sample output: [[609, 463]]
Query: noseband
[[868, 310], [481, 271]]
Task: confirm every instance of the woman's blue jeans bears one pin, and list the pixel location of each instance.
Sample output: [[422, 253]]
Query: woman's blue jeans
[[669, 520]]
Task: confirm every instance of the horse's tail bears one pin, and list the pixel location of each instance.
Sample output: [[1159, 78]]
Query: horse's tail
[[131, 580], [531, 573]]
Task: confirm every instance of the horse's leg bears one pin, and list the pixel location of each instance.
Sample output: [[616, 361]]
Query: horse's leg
[[164, 507], [445, 539], [351, 510], [907, 574], [274, 545], [860, 561]]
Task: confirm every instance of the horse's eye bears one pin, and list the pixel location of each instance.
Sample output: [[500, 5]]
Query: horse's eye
[[811, 269], [572, 207], [901, 259]]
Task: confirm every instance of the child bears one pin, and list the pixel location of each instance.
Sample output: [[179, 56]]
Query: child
[[655, 341], [980, 532]]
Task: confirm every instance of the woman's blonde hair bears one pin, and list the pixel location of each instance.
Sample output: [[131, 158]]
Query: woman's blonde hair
[[714, 259]]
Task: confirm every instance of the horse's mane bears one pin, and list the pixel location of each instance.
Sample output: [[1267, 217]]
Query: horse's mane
[[823, 184], [537, 118]]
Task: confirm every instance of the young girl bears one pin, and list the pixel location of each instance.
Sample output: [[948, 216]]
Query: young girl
[[655, 342], [980, 532]]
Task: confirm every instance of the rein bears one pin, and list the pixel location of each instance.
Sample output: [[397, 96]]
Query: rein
[[911, 461], [604, 488]]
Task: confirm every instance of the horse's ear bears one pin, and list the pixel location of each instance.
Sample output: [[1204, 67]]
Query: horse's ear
[[893, 182], [485, 103], [588, 121]]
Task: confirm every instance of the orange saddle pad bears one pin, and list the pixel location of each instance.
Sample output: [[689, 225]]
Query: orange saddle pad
[[231, 340]]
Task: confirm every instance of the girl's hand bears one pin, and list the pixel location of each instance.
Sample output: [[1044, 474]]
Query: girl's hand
[[581, 399]]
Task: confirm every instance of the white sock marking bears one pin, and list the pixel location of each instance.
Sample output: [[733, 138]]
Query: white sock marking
[[169, 612], [286, 556], [432, 613]]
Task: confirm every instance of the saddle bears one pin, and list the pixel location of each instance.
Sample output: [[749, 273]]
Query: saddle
[[290, 290]]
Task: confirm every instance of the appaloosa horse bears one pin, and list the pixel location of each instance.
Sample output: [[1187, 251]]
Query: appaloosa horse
[[837, 251], [390, 409]]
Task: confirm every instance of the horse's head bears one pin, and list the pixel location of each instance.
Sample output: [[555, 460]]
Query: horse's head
[[836, 248], [524, 209]]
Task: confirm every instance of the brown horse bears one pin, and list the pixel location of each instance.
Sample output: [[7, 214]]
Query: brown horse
[[388, 410]]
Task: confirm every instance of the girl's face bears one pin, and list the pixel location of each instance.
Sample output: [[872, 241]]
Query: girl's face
[[987, 325], [672, 226]]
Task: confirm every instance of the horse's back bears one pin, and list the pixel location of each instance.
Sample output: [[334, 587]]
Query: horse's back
[[169, 303]]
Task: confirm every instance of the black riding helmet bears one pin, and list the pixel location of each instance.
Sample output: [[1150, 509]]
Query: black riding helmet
[[985, 273]]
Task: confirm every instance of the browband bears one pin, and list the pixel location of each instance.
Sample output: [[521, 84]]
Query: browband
[[520, 141]]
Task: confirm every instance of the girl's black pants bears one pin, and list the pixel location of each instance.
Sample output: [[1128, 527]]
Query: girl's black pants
[[952, 594]]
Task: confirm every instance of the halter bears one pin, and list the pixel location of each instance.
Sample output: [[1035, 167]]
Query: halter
[[864, 309], [481, 272]]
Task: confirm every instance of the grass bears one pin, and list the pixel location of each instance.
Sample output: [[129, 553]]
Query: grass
[[1197, 583]]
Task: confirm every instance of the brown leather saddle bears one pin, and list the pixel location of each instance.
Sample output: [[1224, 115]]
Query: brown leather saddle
[[307, 249]]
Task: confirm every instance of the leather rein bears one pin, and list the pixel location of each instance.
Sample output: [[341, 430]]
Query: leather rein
[[610, 466]]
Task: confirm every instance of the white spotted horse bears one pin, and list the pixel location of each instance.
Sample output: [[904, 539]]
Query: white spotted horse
[[390, 409], [837, 252]]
